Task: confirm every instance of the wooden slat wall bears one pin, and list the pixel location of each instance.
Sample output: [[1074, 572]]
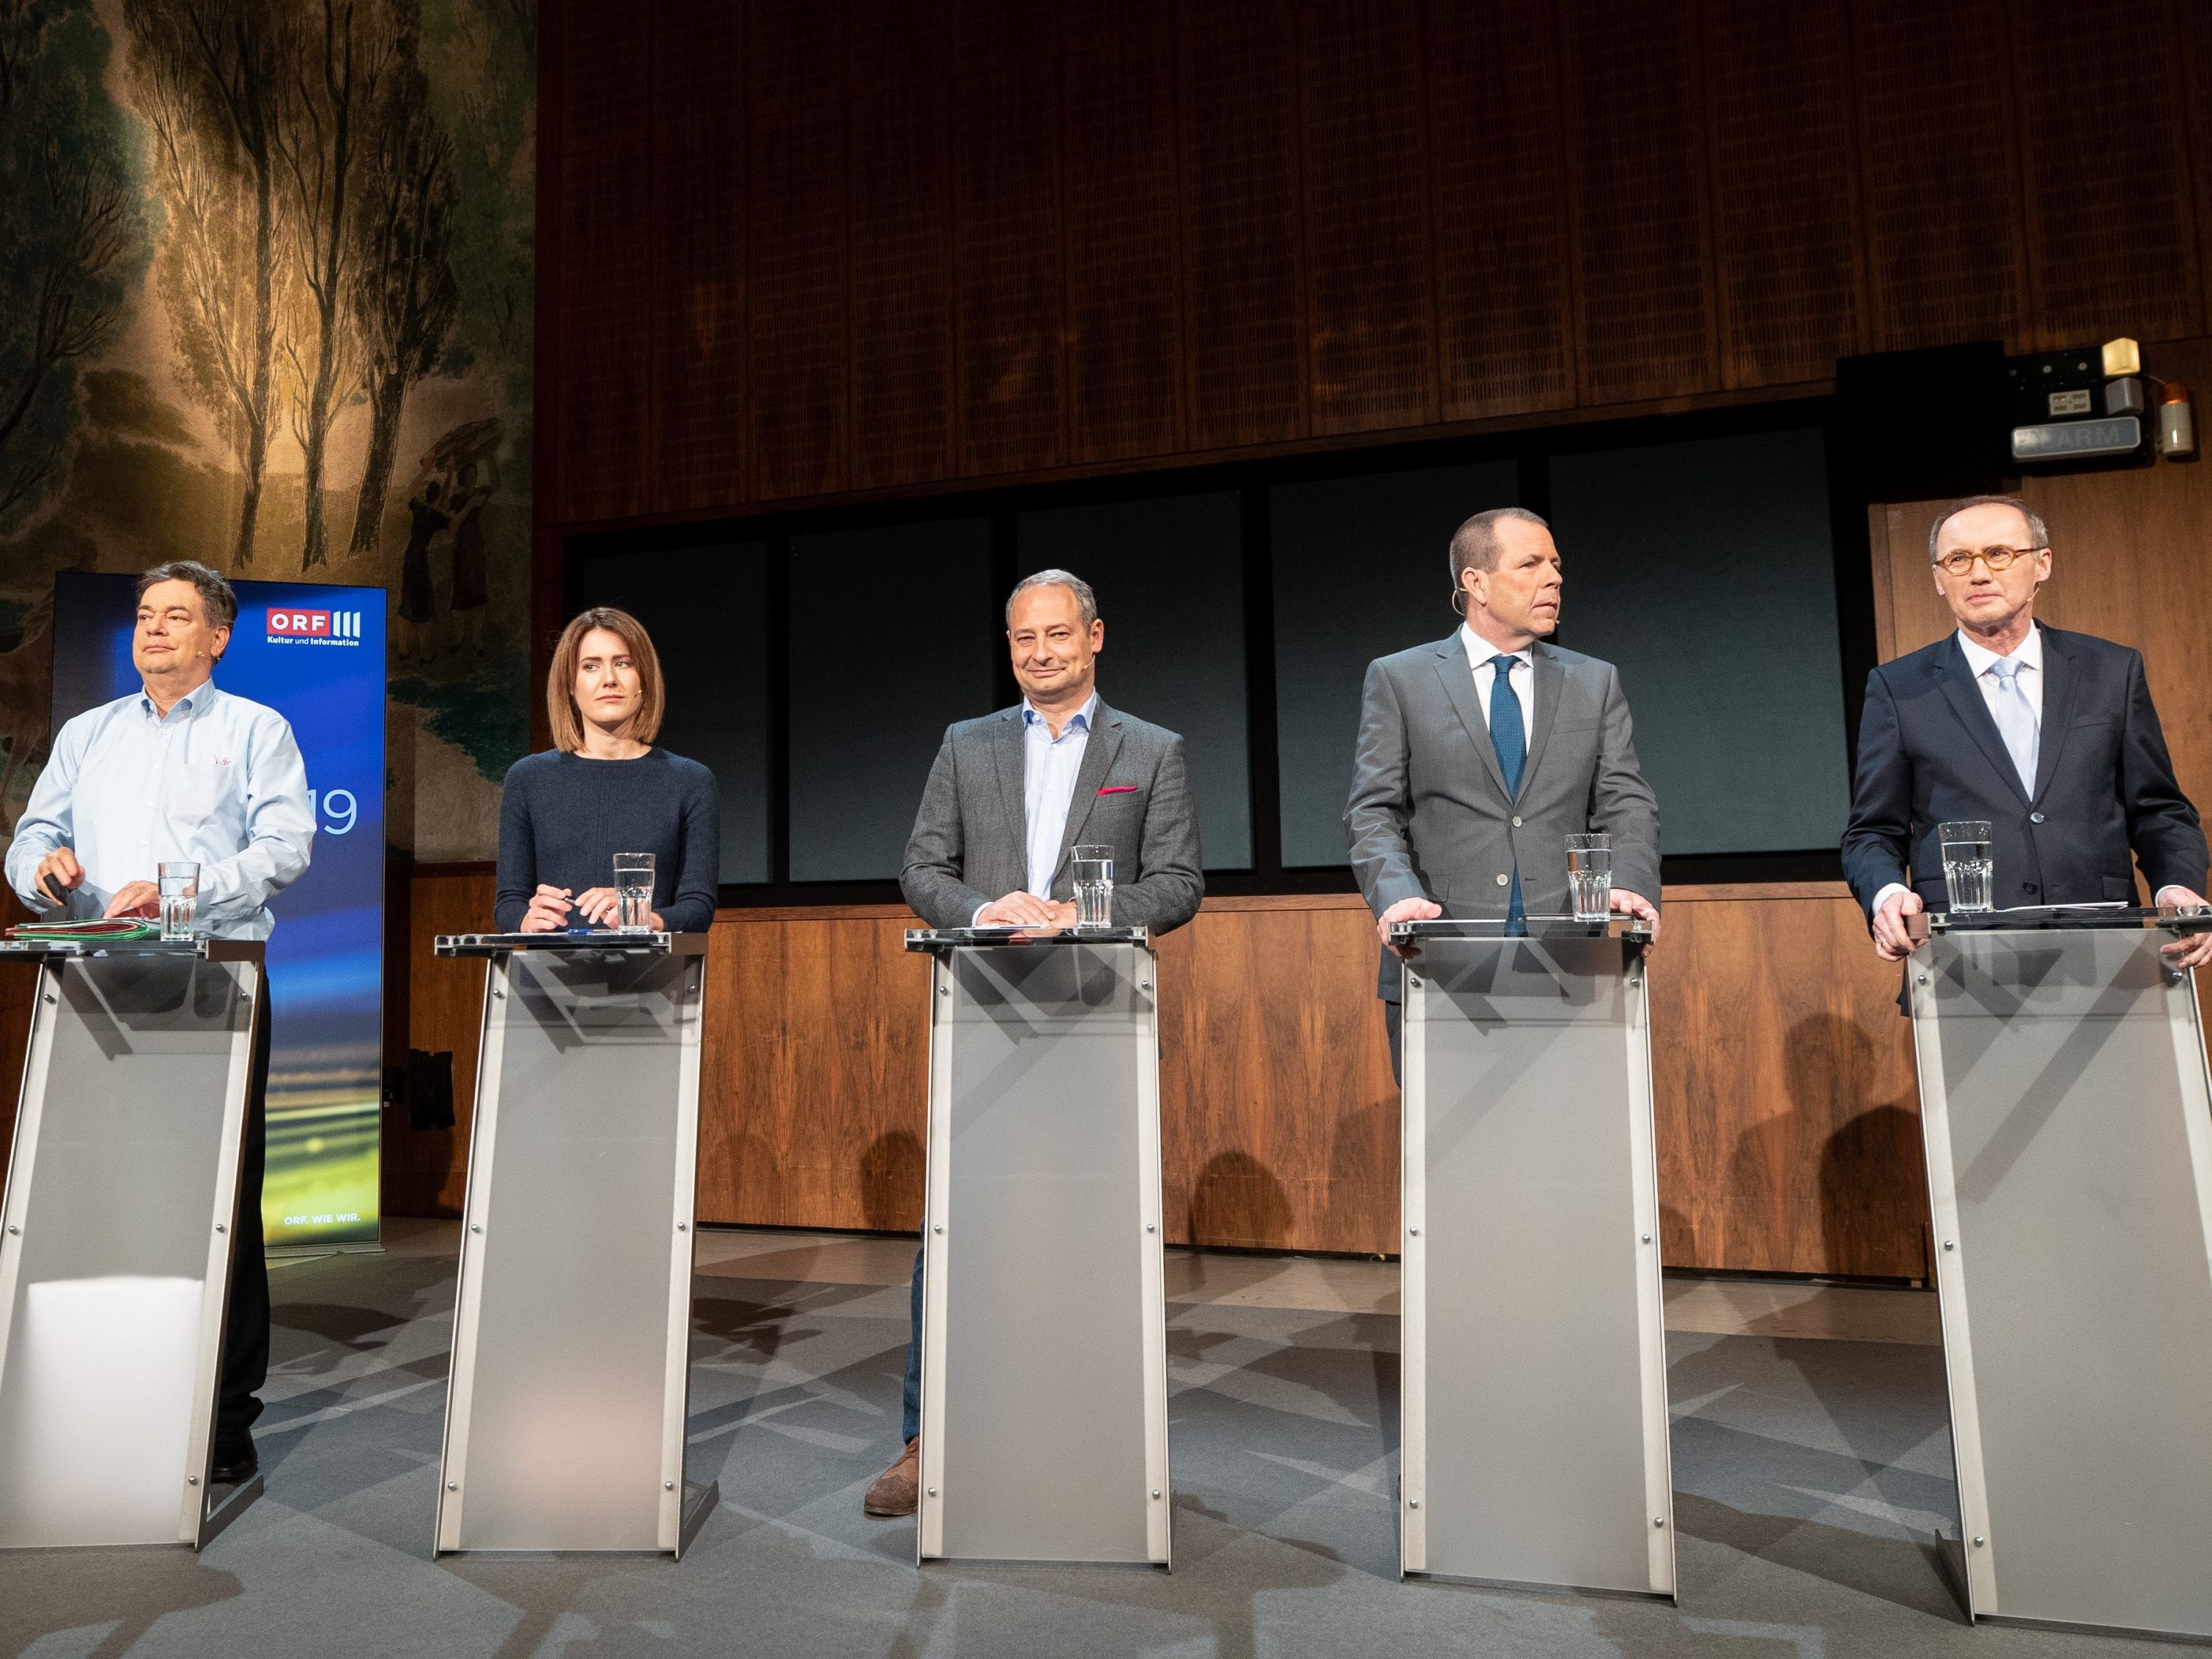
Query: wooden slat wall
[[803, 248], [426, 1170]]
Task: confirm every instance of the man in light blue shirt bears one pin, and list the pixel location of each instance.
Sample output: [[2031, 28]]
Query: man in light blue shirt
[[181, 771]]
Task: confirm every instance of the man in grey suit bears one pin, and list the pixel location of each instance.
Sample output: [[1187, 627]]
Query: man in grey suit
[[1462, 799], [1010, 796]]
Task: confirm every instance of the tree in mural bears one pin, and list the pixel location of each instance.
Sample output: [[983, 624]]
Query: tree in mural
[[404, 296], [73, 233], [206, 74], [341, 55], [486, 98]]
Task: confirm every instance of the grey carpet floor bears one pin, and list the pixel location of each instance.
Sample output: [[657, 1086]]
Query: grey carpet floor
[[1811, 1478]]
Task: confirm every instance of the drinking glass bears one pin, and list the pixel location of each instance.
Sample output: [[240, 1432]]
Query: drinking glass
[[179, 886], [1590, 876], [633, 892], [1966, 864], [1094, 886]]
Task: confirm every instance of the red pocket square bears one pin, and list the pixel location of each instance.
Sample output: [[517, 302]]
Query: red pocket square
[[1119, 789]]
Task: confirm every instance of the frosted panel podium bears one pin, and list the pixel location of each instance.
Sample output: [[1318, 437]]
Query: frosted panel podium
[[571, 1380], [121, 1213], [1533, 1439], [2065, 1108], [1044, 1313]]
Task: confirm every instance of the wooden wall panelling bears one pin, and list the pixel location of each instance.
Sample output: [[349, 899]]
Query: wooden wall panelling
[[1370, 314], [1124, 234], [1009, 288], [426, 1170], [1244, 328], [902, 252], [696, 255], [1503, 250], [1788, 1117], [1635, 141], [2196, 56], [2110, 226], [814, 1086], [604, 292], [1786, 189], [1278, 1116], [795, 206], [1938, 149]]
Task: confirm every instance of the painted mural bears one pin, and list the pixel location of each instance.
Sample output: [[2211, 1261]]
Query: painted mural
[[265, 284]]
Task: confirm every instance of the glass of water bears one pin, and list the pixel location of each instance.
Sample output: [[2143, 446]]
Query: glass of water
[[179, 886], [633, 892], [1966, 865], [1094, 886], [1590, 876]]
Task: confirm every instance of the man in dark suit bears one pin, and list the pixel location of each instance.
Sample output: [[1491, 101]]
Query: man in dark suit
[[2048, 735], [1010, 797], [1481, 754]]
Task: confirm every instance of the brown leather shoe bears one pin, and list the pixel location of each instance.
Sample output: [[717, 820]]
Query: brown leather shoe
[[897, 1489]]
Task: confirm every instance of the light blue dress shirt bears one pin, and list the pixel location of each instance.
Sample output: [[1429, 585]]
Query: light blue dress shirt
[[219, 782], [1049, 768]]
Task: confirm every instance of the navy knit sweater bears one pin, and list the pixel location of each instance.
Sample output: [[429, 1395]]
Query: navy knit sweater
[[563, 818]]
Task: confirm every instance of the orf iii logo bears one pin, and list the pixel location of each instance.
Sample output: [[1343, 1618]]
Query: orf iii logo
[[316, 627]]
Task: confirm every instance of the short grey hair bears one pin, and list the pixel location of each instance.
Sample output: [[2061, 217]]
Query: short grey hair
[[1474, 544], [2035, 529], [219, 598], [1085, 600]]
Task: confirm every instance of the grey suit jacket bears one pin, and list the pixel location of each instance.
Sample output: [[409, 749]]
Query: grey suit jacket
[[1429, 816], [971, 841]]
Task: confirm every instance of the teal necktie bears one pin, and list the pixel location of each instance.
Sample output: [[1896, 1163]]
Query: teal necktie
[[1510, 740]]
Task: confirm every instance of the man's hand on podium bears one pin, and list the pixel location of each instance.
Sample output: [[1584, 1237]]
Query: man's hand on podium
[[1626, 903], [1027, 911], [1891, 941], [135, 898], [1412, 909], [2193, 950], [59, 872]]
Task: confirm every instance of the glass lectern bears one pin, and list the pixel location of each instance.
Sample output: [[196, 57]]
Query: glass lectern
[[1533, 1440], [2066, 1109], [121, 1209], [1044, 1311], [571, 1382]]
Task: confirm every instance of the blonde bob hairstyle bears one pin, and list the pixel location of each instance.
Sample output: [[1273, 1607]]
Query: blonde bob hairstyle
[[568, 721]]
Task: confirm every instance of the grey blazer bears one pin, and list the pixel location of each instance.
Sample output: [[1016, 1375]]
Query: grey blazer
[[1429, 816], [970, 838]]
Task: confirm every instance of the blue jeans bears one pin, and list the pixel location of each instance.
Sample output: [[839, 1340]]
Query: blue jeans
[[911, 1423]]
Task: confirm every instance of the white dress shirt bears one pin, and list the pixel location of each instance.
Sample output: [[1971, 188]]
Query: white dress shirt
[[1049, 768], [1480, 651], [1980, 659], [219, 782]]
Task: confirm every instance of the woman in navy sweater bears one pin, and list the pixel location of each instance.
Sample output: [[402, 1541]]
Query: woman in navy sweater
[[605, 788]]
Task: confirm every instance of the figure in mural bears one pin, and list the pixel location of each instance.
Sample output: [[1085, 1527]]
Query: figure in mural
[[426, 506]]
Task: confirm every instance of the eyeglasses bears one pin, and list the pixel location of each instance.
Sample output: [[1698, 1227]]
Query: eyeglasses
[[1997, 558]]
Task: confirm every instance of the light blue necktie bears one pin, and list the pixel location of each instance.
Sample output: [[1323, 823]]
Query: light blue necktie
[[2015, 721], [1510, 740]]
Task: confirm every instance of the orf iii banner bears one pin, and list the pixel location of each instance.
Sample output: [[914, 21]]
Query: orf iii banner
[[315, 655]]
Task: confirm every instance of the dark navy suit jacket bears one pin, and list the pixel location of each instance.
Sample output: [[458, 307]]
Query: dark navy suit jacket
[[1930, 753]]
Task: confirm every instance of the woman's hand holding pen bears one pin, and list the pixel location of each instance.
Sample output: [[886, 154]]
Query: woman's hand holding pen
[[548, 912]]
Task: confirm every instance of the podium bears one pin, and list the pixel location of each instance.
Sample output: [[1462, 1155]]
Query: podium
[[1044, 1310], [2068, 1122], [566, 1407], [121, 1213], [1532, 1441]]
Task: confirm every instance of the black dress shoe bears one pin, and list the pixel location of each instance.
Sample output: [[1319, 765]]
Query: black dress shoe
[[234, 1464]]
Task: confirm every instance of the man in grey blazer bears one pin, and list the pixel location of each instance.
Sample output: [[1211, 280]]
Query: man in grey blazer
[[1009, 798], [1462, 799]]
